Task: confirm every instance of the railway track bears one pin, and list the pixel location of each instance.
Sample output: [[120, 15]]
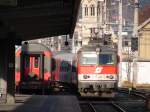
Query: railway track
[[140, 94], [124, 102], [101, 107]]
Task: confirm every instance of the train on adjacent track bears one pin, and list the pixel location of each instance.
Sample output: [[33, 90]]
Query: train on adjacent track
[[33, 67], [38, 69], [97, 69], [64, 74]]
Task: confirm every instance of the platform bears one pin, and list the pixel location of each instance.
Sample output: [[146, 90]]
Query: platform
[[40, 103]]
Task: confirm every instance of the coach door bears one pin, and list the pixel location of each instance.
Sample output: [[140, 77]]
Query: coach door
[[33, 66]]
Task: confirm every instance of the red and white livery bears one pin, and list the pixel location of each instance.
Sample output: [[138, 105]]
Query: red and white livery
[[97, 70], [33, 67]]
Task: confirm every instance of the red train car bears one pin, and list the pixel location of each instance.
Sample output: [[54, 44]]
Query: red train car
[[33, 67], [97, 70], [65, 69]]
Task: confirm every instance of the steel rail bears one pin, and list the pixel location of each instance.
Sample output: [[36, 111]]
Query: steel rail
[[92, 107], [118, 107], [134, 92]]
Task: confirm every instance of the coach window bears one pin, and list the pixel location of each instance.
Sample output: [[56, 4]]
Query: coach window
[[36, 62], [27, 61], [73, 68]]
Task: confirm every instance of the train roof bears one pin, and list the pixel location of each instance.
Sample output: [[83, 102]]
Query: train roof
[[102, 48], [34, 47], [66, 56]]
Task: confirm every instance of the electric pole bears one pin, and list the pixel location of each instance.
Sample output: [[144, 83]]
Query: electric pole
[[136, 18], [105, 15], [100, 18], [120, 41], [135, 35]]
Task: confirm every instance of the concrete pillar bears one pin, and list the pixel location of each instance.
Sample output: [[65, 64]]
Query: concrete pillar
[[3, 78], [7, 69], [10, 67]]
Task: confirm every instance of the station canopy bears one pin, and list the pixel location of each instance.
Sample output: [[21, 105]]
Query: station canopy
[[32, 19]]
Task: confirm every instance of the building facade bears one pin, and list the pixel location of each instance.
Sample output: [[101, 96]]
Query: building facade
[[97, 17], [90, 22], [144, 41]]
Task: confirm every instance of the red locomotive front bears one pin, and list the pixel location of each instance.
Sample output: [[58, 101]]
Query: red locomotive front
[[97, 71]]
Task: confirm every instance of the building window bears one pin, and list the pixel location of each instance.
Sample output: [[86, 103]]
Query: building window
[[75, 38], [98, 9], [92, 10], [80, 13], [126, 43], [86, 10], [92, 30]]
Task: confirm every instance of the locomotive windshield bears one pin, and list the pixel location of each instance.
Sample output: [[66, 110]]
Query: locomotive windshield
[[89, 59], [106, 59]]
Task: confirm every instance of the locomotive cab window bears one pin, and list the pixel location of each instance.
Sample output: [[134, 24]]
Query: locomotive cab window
[[89, 59], [106, 59]]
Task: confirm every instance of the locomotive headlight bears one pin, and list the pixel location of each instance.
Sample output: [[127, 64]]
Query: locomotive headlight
[[110, 76], [86, 76]]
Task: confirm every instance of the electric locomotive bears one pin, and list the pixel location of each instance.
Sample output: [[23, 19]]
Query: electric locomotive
[[97, 69]]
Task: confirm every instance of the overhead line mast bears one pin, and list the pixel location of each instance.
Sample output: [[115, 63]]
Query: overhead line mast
[[120, 41]]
